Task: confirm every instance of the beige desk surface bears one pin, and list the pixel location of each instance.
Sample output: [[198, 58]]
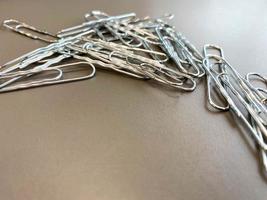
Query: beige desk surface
[[115, 138]]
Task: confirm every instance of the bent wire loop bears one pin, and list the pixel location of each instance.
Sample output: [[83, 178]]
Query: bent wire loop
[[209, 66], [27, 30], [56, 79]]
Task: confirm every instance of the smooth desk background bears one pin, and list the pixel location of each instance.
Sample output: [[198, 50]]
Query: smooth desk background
[[116, 138]]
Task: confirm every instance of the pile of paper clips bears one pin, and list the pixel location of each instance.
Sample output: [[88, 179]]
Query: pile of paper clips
[[143, 48]]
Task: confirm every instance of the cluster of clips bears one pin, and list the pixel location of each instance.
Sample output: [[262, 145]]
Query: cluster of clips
[[143, 48], [247, 102]]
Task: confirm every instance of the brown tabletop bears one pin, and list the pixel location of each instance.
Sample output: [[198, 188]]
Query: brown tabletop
[[116, 138]]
